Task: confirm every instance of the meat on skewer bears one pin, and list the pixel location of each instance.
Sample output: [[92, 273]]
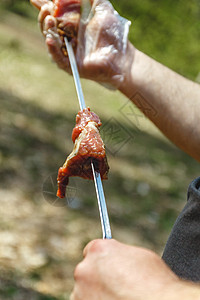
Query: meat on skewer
[[88, 147], [67, 14]]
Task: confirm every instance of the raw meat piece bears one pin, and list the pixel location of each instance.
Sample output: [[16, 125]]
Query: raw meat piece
[[66, 6], [67, 13], [88, 147]]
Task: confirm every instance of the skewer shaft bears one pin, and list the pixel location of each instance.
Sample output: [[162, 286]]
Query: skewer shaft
[[97, 177], [75, 74], [102, 205]]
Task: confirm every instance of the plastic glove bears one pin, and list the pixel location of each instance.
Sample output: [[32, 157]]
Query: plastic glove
[[99, 38]]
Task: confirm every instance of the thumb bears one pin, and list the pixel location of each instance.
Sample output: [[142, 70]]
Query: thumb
[[90, 246], [101, 245], [39, 3]]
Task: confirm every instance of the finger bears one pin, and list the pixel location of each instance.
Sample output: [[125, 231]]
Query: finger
[[75, 295], [100, 246], [38, 3], [54, 48], [102, 5], [50, 23], [46, 9], [72, 297], [93, 245]]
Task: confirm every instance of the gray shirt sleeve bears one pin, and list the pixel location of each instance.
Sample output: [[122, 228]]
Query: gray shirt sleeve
[[182, 250]]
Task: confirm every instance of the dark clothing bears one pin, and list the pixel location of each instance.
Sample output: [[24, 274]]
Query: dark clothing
[[182, 251]]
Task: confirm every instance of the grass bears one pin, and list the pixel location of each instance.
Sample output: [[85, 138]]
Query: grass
[[148, 180], [166, 30]]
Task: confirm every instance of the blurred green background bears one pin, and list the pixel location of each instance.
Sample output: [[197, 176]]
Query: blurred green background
[[41, 239]]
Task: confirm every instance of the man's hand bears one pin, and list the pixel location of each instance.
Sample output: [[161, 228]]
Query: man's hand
[[99, 39], [114, 271]]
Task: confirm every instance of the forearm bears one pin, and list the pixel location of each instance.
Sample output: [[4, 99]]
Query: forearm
[[175, 100]]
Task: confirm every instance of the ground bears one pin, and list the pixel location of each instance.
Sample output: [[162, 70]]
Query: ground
[[42, 238]]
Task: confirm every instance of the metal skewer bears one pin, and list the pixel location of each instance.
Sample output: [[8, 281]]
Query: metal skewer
[[105, 224], [97, 177]]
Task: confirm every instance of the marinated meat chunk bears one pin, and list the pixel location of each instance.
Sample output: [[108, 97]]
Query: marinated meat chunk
[[66, 6], [82, 119], [88, 147], [67, 13]]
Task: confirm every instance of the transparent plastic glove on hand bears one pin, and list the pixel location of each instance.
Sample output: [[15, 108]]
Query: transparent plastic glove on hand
[[100, 43]]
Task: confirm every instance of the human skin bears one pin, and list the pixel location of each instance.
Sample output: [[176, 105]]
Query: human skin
[[175, 100], [114, 271]]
